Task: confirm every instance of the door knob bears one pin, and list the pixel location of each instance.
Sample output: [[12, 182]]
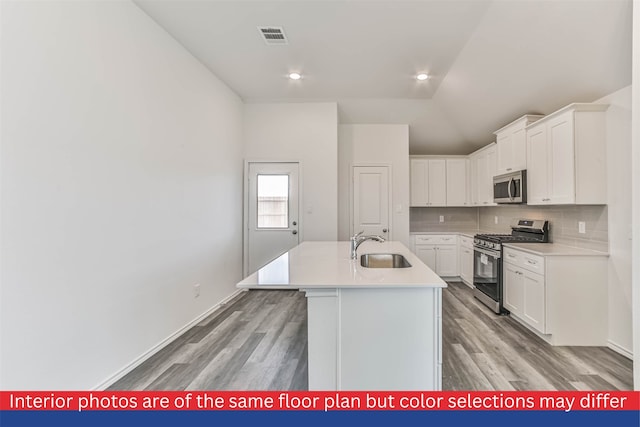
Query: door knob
[[294, 232], [295, 223], [384, 230]]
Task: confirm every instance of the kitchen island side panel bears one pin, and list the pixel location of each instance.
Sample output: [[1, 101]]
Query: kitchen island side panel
[[388, 339], [375, 339]]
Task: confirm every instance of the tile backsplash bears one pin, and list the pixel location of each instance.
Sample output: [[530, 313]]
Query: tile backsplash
[[428, 219], [563, 221]]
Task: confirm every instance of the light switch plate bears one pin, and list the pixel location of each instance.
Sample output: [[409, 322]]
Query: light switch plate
[[495, 219], [582, 227], [441, 218]]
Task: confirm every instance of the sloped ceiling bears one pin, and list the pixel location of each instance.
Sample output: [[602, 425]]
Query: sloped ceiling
[[489, 61]]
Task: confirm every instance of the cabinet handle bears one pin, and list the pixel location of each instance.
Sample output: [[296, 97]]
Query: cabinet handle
[[531, 262], [508, 169]]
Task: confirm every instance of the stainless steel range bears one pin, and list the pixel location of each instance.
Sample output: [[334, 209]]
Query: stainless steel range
[[487, 259]]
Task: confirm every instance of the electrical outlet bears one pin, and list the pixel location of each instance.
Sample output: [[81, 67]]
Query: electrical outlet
[[582, 227], [495, 219], [441, 218], [196, 290]]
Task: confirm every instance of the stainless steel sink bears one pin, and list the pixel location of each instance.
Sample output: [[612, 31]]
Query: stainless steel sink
[[384, 261]]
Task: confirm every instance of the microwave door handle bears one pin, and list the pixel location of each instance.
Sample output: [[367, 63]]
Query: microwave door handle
[[509, 189]]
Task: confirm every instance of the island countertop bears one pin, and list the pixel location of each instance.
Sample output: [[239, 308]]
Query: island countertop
[[313, 265]]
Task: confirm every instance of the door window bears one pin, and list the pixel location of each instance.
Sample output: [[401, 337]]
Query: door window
[[273, 201]]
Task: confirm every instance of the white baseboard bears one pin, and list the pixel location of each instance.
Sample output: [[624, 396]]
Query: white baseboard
[[156, 348], [620, 350]]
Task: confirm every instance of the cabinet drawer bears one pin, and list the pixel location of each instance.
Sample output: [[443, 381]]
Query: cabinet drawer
[[533, 263], [450, 239], [425, 239], [512, 256], [466, 242], [436, 239]]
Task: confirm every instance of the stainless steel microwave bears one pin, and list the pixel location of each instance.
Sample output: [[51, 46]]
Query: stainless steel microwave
[[510, 187]]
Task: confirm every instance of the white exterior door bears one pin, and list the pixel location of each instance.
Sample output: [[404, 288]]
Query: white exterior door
[[272, 212], [371, 200]]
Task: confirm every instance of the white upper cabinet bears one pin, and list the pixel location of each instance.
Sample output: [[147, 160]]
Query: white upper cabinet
[[437, 182], [566, 157], [483, 169], [428, 182], [419, 182], [511, 145], [457, 179]]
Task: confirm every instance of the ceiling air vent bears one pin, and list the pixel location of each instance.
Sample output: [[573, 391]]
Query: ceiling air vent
[[273, 35]]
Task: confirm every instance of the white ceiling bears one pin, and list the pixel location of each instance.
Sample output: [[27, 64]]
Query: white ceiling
[[490, 61]]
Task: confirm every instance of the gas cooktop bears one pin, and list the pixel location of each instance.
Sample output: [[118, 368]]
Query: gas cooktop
[[502, 238]]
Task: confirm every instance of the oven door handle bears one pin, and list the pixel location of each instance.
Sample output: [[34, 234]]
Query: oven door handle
[[487, 252]]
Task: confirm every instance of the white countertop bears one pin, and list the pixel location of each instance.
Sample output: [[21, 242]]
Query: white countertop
[[328, 265], [553, 249]]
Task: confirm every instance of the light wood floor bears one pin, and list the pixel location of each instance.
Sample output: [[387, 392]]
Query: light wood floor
[[259, 342]]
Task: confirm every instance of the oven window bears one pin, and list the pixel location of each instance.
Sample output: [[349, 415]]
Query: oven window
[[486, 274]]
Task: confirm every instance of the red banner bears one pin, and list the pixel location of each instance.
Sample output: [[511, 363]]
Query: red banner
[[318, 401]]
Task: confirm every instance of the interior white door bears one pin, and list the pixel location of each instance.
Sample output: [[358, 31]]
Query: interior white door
[[272, 211], [371, 200]]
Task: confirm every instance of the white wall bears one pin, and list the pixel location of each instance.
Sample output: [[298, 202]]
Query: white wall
[[619, 218], [635, 182], [121, 189], [304, 132], [379, 144]]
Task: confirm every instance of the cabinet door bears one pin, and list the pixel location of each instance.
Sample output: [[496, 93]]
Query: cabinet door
[[457, 182], [447, 260], [561, 157], [427, 254], [504, 151], [437, 178], [472, 182], [518, 150], [491, 172], [513, 289], [534, 300], [419, 190], [466, 265], [537, 158], [482, 171]]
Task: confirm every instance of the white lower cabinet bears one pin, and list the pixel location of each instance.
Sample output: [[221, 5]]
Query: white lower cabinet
[[524, 295], [439, 252], [513, 288], [447, 260], [561, 296], [465, 258]]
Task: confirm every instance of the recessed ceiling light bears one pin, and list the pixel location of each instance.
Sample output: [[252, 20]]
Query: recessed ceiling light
[[422, 76], [295, 76]]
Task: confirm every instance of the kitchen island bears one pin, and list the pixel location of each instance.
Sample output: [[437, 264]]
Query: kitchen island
[[368, 328]]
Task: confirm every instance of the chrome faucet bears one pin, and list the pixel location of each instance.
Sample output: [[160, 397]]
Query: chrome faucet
[[358, 239]]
